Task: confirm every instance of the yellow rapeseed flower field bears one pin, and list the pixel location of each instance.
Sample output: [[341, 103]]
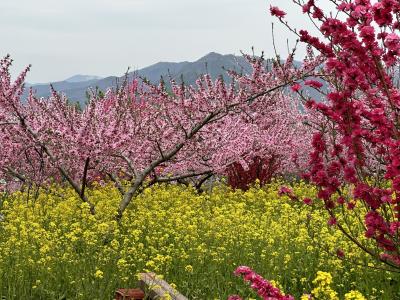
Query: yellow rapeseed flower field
[[52, 247]]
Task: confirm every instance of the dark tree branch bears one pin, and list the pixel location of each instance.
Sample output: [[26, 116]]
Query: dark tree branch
[[202, 181], [16, 174], [117, 183], [178, 177], [84, 177]]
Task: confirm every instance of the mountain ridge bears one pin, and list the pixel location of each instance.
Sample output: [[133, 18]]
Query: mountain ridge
[[76, 87], [82, 78]]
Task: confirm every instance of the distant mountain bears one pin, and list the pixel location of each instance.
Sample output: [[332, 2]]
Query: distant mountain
[[82, 78], [76, 87], [213, 63]]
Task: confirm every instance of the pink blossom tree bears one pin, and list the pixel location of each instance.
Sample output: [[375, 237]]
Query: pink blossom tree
[[279, 142], [137, 135]]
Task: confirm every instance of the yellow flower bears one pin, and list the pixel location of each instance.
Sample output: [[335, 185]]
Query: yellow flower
[[323, 289], [354, 295], [98, 274], [121, 263], [166, 297], [189, 269], [115, 244]]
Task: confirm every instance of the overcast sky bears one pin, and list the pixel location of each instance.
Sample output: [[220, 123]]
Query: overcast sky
[[104, 37]]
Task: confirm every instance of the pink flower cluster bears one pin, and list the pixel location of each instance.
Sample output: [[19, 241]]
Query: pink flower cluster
[[263, 287]]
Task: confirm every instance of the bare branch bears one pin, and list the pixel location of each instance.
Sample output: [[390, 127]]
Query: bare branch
[[84, 177], [159, 149], [130, 164], [16, 174], [202, 180], [8, 123], [178, 177], [117, 183]]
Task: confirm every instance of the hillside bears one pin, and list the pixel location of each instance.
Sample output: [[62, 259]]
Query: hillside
[[213, 63]]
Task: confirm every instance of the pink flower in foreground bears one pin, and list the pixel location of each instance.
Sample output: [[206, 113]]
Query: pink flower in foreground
[[263, 287], [392, 258], [284, 190], [234, 297], [340, 200], [295, 87], [275, 11], [313, 83], [340, 253], [392, 41], [332, 221]]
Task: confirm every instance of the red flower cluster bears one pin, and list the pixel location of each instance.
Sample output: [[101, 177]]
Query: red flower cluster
[[263, 287], [314, 83], [258, 169], [275, 11], [358, 138]]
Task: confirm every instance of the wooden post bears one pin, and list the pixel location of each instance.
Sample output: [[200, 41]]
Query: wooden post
[[129, 294], [158, 288]]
